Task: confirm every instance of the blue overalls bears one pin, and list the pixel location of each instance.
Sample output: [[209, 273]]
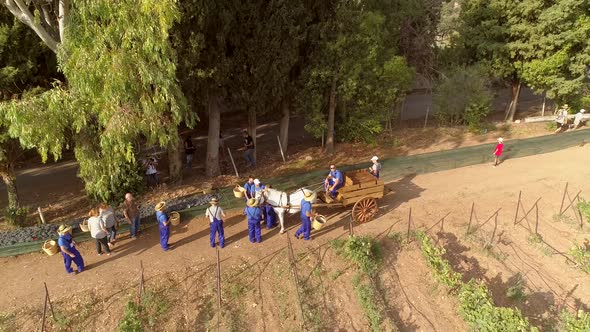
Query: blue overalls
[[249, 189], [216, 227], [270, 216], [305, 220], [335, 174], [67, 241], [164, 229], [254, 215]]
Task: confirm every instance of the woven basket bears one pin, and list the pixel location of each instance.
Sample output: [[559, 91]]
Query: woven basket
[[84, 226], [175, 218], [50, 247], [239, 191], [318, 222]]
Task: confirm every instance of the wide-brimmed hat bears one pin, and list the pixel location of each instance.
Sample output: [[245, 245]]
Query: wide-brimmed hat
[[252, 202], [375, 158], [213, 201], [500, 139], [309, 196], [256, 181], [160, 206], [64, 229]]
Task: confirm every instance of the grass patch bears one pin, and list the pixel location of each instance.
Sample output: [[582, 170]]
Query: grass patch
[[152, 306], [575, 323], [564, 219], [7, 322], [365, 294], [584, 208], [551, 126], [487, 248], [581, 255], [516, 290]]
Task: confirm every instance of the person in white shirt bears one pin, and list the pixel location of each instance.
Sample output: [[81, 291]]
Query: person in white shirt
[[561, 120], [375, 169], [215, 215], [578, 119], [151, 172], [98, 231]]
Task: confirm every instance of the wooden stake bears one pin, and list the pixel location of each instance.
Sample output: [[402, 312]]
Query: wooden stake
[[470, 218], [517, 207], [233, 163], [426, 117], [563, 199], [281, 148], [409, 225], [41, 215]]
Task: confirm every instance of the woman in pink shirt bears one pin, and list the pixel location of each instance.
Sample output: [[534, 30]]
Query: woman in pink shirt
[[498, 151]]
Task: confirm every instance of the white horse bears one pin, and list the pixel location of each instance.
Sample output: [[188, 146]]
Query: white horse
[[283, 202]]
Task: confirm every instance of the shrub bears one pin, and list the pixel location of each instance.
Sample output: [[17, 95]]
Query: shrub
[[365, 252], [581, 256], [462, 96], [573, 323], [16, 216], [584, 208]]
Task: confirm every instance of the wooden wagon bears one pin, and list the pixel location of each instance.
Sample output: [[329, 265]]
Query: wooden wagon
[[361, 190]]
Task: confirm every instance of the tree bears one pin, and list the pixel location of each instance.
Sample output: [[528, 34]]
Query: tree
[[120, 69]]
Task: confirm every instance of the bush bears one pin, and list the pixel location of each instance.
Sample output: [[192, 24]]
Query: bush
[[573, 323], [16, 216], [365, 252], [584, 208], [462, 96]]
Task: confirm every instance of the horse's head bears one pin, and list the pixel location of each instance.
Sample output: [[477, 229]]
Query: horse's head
[[261, 196]]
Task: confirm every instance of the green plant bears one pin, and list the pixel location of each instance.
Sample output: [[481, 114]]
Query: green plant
[[131, 321], [434, 258], [575, 323], [584, 208], [16, 216], [551, 126], [534, 239], [366, 297], [365, 252], [581, 255], [7, 322], [563, 218], [152, 306], [516, 291]]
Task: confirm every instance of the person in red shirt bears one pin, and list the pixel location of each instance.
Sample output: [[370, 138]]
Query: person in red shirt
[[498, 151]]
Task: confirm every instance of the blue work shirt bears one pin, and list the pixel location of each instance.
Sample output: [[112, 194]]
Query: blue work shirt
[[65, 241], [305, 207], [259, 188], [249, 187], [336, 174], [162, 218], [254, 214]]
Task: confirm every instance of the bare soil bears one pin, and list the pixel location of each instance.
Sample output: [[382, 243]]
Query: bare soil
[[259, 292]]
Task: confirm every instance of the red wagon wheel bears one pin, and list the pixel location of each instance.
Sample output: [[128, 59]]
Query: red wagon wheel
[[365, 209]]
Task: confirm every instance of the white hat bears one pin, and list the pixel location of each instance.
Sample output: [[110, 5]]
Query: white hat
[[582, 111], [256, 181], [500, 139], [375, 158]]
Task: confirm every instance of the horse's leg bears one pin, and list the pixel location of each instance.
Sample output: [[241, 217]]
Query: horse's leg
[[281, 213]]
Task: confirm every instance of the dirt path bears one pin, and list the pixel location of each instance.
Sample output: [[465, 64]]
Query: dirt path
[[550, 280]]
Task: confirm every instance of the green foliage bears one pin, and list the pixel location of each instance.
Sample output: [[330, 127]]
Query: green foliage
[[462, 96], [153, 305], [131, 321], [584, 208], [516, 290], [576, 323], [365, 252], [366, 297], [581, 255], [16, 216], [434, 258]]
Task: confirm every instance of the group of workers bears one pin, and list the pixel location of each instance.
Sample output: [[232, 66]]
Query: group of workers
[[561, 121]]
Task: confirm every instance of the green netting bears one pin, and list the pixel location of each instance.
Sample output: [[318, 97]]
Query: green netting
[[392, 169]]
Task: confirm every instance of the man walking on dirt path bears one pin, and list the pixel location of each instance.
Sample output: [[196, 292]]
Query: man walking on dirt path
[[498, 151], [254, 215], [306, 215], [68, 249], [334, 181], [163, 225], [248, 149], [216, 215], [131, 213]]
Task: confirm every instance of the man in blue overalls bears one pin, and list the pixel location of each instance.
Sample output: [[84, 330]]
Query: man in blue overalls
[[375, 169], [254, 214], [163, 225], [216, 215], [306, 215], [270, 216], [68, 249], [334, 181], [249, 188]]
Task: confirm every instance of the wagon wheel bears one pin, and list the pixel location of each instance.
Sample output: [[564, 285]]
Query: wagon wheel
[[365, 209]]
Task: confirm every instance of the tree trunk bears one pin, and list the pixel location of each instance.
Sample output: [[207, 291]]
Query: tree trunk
[[10, 182], [20, 10], [331, 115], [175, 160], [514, 101], [64, 10], [252, 129], [212, 162], [284, 130]]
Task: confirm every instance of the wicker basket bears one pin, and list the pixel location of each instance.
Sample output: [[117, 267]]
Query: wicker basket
[[175, 218], [239, 191], [50, 247], [84, 226], [318, 222]]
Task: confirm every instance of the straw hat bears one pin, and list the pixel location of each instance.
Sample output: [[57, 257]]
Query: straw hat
[[252, 202], [375, 158], [309, 196], [160, 206], [64, 229], [256, 181], [213, 201], [500, 140]]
